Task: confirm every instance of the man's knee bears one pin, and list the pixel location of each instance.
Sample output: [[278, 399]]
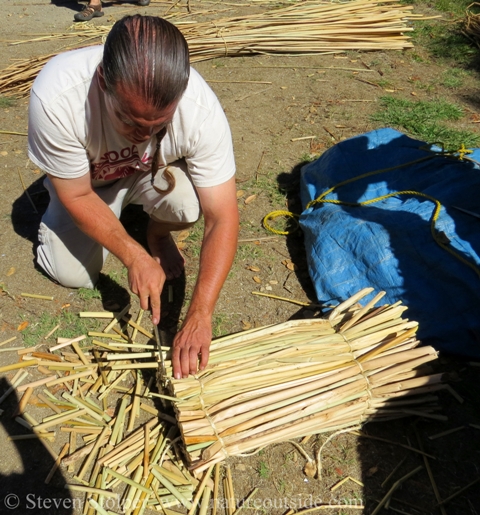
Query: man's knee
[[70, 276], [71, 259]]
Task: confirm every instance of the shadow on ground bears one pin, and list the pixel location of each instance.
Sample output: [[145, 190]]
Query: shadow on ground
[[26, 491]]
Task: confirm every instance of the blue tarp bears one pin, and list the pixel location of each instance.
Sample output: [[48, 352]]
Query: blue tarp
[[388, 245]]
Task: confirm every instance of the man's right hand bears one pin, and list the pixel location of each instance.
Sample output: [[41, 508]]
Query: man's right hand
[[146, 279]]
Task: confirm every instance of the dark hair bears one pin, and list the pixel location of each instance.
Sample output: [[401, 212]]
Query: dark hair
[[149, 56]]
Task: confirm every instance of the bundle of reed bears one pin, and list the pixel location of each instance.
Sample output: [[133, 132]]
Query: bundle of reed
[[304, 28], [17, 79], [303, 377]]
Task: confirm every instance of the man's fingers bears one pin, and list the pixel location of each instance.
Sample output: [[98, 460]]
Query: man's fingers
[[185, 361], [193, 360], [155, 307], [177, 369], [143, 301], [204, 355]]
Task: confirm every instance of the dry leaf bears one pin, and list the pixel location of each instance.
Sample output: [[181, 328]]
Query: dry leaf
[[183, 235], [11, 271], [182, 245], [257, 279], [65, 306], [273, 282], [249, 199], [36, 171], [22, 326], [289, 264], [240, 193], [4, 153], [253, 268], [413, 94], [310, 469], [246, 325], [372, 470]]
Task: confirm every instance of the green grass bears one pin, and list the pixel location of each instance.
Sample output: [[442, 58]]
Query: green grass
[[218, 325], [423, 119], [453, 78], [71, 325], [453, 7], [88, 294], [266, 185], [444, 41], [6, 102], [263, 470]]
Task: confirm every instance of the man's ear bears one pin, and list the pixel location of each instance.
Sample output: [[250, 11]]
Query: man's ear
[[101, 78]]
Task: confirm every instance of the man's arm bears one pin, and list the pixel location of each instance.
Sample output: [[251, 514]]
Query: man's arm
[[96, 220], [219, 206]]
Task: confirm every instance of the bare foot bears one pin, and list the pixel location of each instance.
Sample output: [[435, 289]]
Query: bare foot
[[164, 250]]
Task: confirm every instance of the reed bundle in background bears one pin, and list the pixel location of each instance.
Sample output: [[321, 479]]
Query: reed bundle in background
[[305, 28], [303, 377]]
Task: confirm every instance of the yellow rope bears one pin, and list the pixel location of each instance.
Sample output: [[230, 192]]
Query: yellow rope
[[439, 237], [275, 214]]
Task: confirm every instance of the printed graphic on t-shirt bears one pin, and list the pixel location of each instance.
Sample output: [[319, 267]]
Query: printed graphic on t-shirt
[[118, 164]]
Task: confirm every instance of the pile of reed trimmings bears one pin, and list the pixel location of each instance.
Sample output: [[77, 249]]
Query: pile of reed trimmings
[[472, 24], [303, 28], [303, 377], [119, 447]]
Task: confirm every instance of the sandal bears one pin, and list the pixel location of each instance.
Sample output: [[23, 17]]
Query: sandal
[[88, 12]]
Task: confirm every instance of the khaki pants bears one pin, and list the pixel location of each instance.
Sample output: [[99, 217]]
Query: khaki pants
[[75, 260]]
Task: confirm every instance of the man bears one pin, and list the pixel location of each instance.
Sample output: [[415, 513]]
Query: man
[[102, 122]]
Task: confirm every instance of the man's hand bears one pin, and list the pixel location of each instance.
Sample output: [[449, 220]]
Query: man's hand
[[146, 279], [191, 343]]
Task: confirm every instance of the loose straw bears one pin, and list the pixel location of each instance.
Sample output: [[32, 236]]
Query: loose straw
[[66, 343], [394, 487], [47, 336], [16, 381], [16, 366], [8, 341], [57, 463], [430, 475], [35, 296]]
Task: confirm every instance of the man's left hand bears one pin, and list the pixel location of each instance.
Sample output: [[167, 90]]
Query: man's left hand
[[191, 344]]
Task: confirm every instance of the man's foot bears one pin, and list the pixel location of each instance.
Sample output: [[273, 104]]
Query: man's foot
[[88, 12], [165, 251]]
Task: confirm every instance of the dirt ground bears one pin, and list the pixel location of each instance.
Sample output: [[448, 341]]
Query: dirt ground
[[330, 98]]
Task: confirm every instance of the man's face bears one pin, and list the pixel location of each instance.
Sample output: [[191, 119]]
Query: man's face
[[135, 119]]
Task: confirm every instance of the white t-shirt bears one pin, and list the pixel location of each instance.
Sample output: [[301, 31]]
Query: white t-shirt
[[70, 133]]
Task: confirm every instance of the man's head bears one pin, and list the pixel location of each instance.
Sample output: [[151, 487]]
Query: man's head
[[144, 73]]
